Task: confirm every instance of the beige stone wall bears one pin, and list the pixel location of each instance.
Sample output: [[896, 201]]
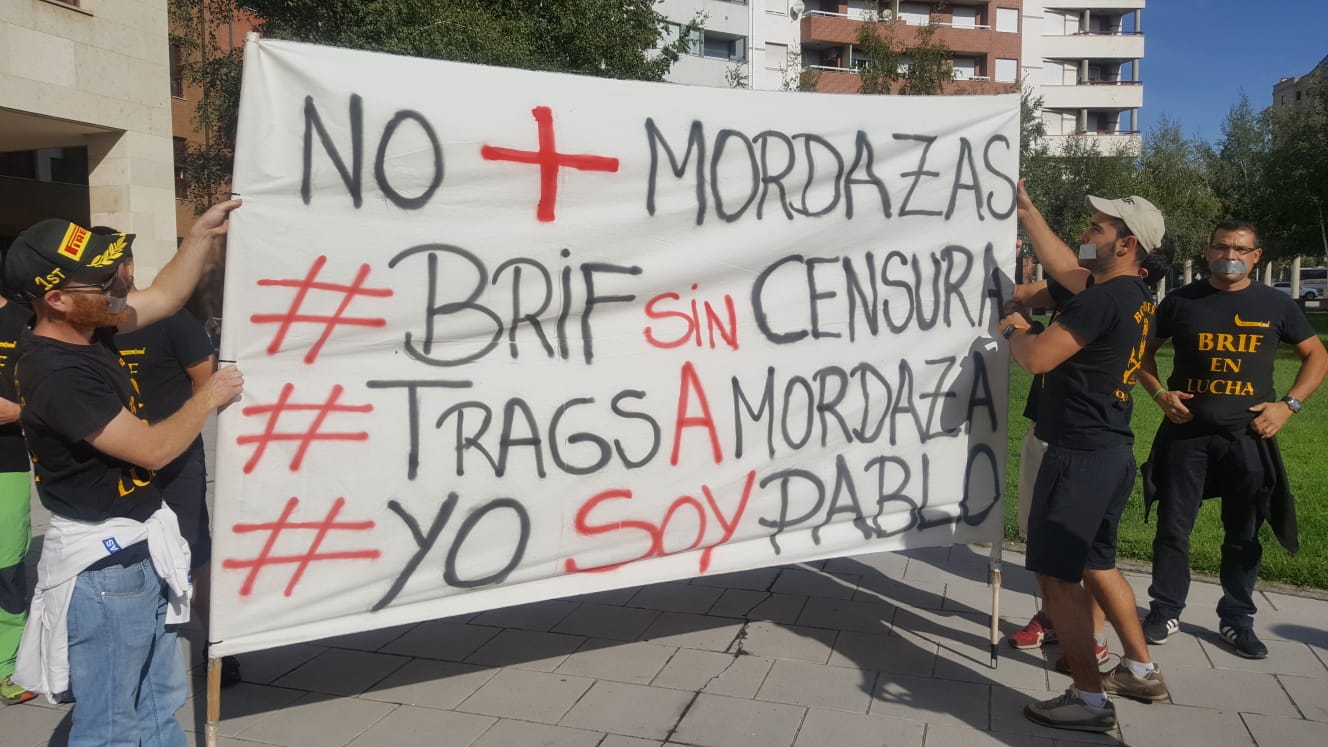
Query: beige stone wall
[[102, 67]]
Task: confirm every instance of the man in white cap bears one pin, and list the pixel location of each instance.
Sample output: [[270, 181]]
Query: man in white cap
[[1090, 355], [1218, 437]]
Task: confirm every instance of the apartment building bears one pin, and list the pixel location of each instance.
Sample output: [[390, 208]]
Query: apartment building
[[1293, 92], [227, 30], [982, 36], [85, 119], [1082, 57], [768, 41], [742, 43]]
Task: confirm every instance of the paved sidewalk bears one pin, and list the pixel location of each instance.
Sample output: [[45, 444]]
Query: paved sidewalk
[[884, 649]]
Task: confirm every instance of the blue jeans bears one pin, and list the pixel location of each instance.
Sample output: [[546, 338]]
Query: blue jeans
[[125, 668]]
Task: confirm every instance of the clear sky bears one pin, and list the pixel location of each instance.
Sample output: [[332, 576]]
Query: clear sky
[[1200, 54]]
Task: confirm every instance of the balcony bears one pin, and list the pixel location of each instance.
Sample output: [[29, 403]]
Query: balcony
[[1093, 46], [1125, 94], [1106, 6], [1121, 141], [820, 28], [846, 80]]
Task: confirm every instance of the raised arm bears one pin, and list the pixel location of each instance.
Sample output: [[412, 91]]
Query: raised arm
[[1057, 258], [176, 281]]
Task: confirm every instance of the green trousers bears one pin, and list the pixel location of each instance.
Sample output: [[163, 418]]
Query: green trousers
[[15, 537]]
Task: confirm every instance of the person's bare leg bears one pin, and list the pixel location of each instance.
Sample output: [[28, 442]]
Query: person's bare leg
[[1099, 616], [1069, 607], [1116, 598]]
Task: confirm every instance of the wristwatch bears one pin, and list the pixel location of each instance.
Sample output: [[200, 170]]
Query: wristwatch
[[1010, 329], [1292, 403]]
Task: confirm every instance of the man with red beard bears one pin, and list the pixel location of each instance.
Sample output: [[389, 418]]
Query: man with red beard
[[114, 569]]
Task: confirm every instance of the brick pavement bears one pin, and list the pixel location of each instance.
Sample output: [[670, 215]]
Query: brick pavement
[[884, 649]]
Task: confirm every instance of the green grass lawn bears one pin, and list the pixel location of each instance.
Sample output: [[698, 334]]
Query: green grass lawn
[[1304, 444]]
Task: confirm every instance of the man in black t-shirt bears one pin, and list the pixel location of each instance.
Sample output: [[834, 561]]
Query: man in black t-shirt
[[1090, 356], [1218, 436], [15, 522], [114, 569], [168, 362], [1040, 630]]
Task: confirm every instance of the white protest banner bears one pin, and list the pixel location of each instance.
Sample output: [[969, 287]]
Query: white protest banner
[[510, 336]]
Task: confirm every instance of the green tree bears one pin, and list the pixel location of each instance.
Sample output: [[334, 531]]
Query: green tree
[[1237, 165], [1173, 177], [920, 68], [625, 39], [1297, 177], [1059, 179], [1032, 130], [797, 77]]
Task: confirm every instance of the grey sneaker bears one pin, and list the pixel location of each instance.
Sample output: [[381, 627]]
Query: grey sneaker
[[1124, 682], [1157, 627], [1069, 711]]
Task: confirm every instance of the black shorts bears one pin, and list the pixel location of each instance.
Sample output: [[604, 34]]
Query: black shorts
[[1077, 503], [183, 485]]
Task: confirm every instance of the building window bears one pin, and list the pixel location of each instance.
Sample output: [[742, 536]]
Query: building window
[[723, 46], [776, 56], [965, 68], [915, 14], [1007, 71], [863, 10], [181, 152], [713, 44], [1007, 20], [177, 79], [964, 17]]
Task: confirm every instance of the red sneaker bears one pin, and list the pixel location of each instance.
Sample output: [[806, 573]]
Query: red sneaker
[[1063, 666], [1038, 632]]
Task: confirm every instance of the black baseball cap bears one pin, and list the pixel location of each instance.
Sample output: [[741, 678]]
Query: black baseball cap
[[51, 252]]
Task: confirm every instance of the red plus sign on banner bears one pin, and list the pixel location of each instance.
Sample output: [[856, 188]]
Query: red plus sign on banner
[[549, 160]]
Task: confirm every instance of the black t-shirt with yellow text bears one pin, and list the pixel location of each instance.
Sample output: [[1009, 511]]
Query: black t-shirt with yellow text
[[69, 392], [1086, 401], [1225, 344]]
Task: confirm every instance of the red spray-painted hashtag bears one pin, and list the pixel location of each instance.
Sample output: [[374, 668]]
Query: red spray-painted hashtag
[[330, 322], [302, 561], [306, 438]]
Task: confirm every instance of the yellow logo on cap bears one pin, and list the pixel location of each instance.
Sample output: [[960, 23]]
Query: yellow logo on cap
[[108, 257], [74, 242]]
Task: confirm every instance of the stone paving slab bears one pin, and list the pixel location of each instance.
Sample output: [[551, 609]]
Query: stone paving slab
[[1167, 725], [719, 674], [821, 728], [719, 721], [629, 710], [818, 686], [888, 648]]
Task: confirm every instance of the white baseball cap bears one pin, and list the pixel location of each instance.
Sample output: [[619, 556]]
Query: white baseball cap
[[1142, 217]]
